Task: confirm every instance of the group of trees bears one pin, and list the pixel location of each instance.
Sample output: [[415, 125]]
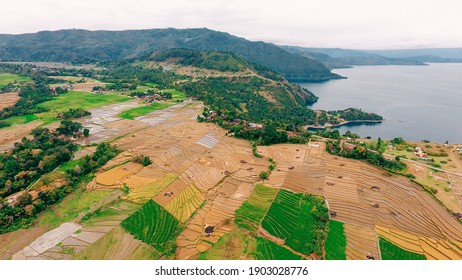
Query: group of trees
[[213, 60], [88, 164], [73, 114], [143, 160], [150, 92], [362, 152], [31, 158], [25, 210], [30, 95]]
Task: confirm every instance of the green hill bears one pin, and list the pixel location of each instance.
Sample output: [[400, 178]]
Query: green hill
[[83, 46]]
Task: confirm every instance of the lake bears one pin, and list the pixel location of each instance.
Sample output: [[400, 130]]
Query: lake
[[417, 102]]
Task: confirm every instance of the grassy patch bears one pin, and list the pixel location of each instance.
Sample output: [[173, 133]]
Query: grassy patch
[[267, 250], [71, 206], [252, 211], [153, 225], [336, 241], [7, 78], [143, 110], [76, 99], [176, 95], [20, 119], [299, 219], [392, 252], [69, 165], [118, 211], [235, 245]]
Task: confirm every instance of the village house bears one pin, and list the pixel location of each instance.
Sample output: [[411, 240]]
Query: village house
[[348, 146], [420, 154], [255, 125]]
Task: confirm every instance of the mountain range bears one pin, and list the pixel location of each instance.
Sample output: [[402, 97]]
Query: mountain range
[[83, 46], [294, 63]]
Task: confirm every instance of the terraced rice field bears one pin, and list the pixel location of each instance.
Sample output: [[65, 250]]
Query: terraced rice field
[[335, 246], [118, 245], [291, 218], [218, 212], [393, 252], [362, 243], [185, 203], [267, 250], [153, 225], [114, 176], [72, 206], [365, 198], [431, 248], [191, 186], [148, 191], [252, 211]]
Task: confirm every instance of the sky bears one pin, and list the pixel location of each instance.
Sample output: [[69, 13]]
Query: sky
[[358, 24]]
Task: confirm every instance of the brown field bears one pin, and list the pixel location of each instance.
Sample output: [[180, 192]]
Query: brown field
[[361, 242], [87, 86], [8, 99], [113, 177], [10, 135]]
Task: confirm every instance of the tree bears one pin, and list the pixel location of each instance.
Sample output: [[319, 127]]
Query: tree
[[146, 161], [24, 199], [264, 175], [379, 143], [86, 132]]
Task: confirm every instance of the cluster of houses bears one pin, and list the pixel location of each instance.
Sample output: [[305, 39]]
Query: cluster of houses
[[153, 98]]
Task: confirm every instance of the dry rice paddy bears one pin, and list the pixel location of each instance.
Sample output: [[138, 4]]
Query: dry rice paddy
[[8, 99]]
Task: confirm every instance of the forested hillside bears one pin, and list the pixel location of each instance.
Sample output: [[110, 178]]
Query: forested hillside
[[83, 46]]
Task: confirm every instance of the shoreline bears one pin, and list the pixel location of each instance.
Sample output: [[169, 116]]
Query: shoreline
[[358, 122]]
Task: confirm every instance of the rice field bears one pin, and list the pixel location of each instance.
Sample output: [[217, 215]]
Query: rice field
[[153, 225], [335, 246], [267, 250], [432, 249], [252, 211], [76, 99], [185, 203], [393, 252], [8, 78], [71, 206], [146, 192], [118, 245], [133, 113], [8, 99], [294, 219], [116, 174], [196, 181]]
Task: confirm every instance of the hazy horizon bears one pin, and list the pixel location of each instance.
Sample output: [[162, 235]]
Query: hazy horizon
[[359, 24]]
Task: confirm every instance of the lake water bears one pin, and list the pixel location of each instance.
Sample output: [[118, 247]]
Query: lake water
[[417, 102]]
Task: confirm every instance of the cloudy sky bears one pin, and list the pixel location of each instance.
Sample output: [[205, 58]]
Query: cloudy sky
[[360, 24]]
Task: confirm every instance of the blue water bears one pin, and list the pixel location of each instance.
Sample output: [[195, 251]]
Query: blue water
[[417, 102]]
